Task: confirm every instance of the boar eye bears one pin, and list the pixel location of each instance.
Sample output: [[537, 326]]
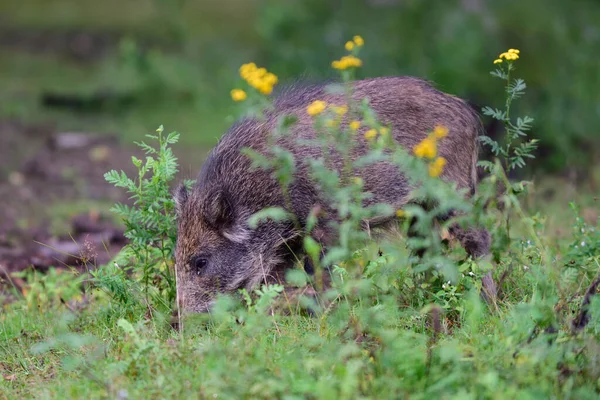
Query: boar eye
[[199, 263]]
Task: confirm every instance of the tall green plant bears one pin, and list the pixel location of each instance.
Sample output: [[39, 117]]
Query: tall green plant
[[150, 220], [516, 147]]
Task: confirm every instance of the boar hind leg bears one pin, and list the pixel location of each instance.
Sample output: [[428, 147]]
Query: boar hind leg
[[475, 241]]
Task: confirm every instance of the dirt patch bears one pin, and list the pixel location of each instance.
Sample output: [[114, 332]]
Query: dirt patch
[[43, 169]]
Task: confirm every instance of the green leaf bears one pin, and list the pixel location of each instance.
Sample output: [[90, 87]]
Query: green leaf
[[335, 88], [276, 214], [312, 248], [335, 255], [486, 165], [296, 278]]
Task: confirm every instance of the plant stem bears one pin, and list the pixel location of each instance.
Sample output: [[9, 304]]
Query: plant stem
[[509, 99]]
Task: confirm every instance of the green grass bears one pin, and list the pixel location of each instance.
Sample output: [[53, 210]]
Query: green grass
[[387, 352]]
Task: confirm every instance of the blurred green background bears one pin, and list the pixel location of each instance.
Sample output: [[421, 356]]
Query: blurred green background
[[126, 67]]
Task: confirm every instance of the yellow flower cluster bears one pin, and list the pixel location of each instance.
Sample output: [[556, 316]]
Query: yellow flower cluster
[[354, 125], [341, 110], [427, 149], [359, 41], [437, 166], [238, 95], [259, 78], [428, 146], [440, 131], [510, 55], [372, 133], [350, 61], [347, 62], [356, 41], [316, 107]]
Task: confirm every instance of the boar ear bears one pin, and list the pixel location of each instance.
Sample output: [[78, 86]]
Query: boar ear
[[218, 210], [180, 196]]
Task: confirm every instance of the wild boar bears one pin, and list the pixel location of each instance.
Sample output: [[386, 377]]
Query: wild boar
[[218, 252]]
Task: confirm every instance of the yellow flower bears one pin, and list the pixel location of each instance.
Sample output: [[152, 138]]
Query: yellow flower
[[354, 125], [384, 131], [316, 107], [347, 62], [510, 55], [436, 167], [426, 149], [349, 46], [341, 110], [440, 131], [353, 61], [260, 72], [258, 78], [497, 61], [358, 41], [238, 95], [270, 78], [358, 180], [265, 88], [371, 134], [247, 69], [400, 213], [254, 81]]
